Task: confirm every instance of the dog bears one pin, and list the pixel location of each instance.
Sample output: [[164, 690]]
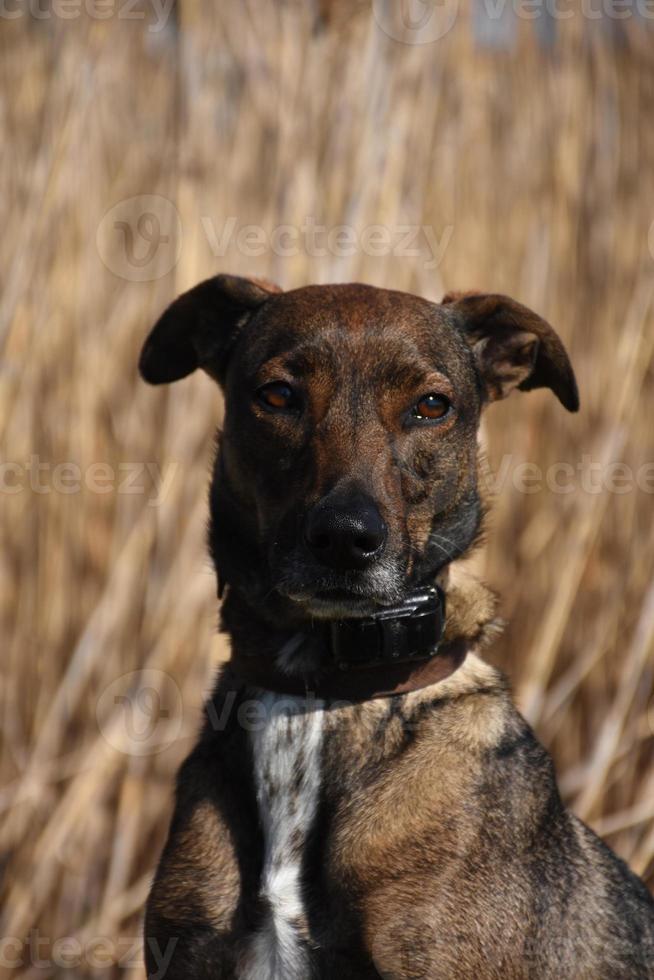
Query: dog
[[364, 800]]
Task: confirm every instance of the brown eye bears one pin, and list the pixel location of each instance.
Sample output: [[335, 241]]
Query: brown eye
[[431, 406], [277, 396]]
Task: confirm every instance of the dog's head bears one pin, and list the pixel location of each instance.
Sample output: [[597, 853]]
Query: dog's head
[[347, 470]]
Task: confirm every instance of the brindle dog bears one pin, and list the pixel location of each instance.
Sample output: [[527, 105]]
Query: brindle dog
[[412, 835]]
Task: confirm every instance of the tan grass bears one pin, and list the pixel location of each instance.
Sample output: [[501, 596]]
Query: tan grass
[[540, 163]]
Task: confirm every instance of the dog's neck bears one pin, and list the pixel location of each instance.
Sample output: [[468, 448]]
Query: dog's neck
[[293, 656]]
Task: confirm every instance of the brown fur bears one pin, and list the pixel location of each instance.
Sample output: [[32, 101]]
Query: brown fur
[[441, 848]]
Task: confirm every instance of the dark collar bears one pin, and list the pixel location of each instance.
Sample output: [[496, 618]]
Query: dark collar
[[397, 650]]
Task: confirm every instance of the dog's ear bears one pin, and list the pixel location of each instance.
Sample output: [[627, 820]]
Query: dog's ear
[[198, 329], [513, 347]]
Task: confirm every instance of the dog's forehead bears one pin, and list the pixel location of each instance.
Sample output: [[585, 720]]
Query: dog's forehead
[[317, 323]]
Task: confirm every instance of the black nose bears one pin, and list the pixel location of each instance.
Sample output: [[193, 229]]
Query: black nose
[[346, 535]]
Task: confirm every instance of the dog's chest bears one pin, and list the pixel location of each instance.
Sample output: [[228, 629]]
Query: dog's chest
[[287, 749]]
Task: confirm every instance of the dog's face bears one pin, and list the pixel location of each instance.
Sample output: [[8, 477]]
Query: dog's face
[[348, 462], [350, 429]]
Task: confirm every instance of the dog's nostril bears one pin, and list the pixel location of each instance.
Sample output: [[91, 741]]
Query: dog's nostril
[[367, 543]]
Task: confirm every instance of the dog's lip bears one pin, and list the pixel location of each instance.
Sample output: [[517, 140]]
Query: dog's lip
[[341, 595], [338, 602], [345, 605], [335, 597], [361, 594]]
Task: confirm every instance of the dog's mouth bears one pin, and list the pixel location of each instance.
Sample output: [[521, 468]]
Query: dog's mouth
[[338, 601], [324, 593], [338, 604]]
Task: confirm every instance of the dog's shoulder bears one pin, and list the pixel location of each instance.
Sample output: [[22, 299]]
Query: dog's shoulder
[[429, 760]]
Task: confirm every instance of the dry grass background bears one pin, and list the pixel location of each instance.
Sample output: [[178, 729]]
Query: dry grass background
[[541, 165]]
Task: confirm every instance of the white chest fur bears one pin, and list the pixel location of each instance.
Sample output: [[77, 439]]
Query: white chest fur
[[287, 758]]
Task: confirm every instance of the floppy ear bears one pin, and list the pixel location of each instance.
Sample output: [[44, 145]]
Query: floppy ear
[[513, 347], [198, 329]]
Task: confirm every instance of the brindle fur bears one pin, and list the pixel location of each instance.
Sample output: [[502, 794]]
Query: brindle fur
[[441, 848]]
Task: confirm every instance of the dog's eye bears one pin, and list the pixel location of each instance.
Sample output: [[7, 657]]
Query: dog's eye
[[431, 406], [277, 396]]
